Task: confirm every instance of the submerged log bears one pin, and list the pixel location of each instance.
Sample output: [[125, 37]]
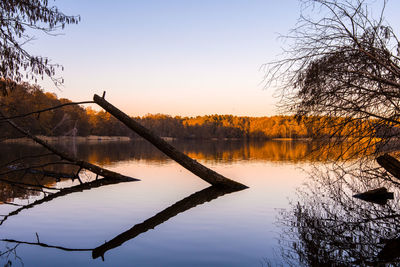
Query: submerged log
[[82, 164], [190, 164], [379, 195], [390, 164]]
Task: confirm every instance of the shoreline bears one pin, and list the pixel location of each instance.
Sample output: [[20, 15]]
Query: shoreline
[[77, 139], [100, 139]]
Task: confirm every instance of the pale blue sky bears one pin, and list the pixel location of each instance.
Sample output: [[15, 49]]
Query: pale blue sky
[[173, 57]]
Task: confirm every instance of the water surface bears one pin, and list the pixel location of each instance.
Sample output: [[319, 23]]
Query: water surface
[[194, 225]]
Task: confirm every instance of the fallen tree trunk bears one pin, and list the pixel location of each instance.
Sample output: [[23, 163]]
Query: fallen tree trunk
[[82, 164], [190, 164], [390, 164]]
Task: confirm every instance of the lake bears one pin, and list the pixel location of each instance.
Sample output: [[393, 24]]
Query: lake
[[172, 218]]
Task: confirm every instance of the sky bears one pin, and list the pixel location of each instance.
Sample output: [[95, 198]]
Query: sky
[[172, 57]]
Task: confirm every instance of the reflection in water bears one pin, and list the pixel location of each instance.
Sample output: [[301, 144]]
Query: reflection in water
[[230, 150], [109, 153], [66, 191], [22, 171], [198, 198], [328, 227], [10, 253], [183, 205], [26, 183], [378, 196], [41, 244]]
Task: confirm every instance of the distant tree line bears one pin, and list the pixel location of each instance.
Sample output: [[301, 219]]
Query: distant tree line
[[77, 120]]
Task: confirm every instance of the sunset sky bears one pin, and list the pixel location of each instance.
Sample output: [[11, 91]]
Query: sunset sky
[[173, 57]]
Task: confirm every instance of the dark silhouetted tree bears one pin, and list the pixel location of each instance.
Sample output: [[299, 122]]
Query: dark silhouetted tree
[[18, 20], [343, 62]]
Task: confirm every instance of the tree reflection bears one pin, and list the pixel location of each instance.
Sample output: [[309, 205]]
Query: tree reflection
[[66, 191], [28, 170], [32, 160], [328, 227], [206, 195], [9, 254], [198, 198]]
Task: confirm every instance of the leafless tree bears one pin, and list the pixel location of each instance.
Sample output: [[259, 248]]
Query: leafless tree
[[342, 70], [341, 74]]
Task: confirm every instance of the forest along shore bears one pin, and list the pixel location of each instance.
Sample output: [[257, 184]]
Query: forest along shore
[[76, 120]]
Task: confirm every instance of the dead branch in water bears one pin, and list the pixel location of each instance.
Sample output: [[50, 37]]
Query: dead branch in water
[[82, 164], [190, 164]]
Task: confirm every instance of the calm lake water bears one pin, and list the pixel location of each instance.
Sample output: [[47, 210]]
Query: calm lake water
[[170, 217]]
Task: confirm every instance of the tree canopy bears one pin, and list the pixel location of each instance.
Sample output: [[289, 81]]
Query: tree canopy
[[18, 20]]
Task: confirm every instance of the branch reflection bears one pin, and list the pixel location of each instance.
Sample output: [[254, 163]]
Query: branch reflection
[[67, 191], [198, 198], [206, 195], [328, 227]]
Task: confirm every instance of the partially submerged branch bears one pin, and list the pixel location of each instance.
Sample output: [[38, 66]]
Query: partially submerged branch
[[192, 165], [82, 164]]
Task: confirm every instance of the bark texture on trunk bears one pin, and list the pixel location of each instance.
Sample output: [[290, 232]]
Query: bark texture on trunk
[[190, 164]]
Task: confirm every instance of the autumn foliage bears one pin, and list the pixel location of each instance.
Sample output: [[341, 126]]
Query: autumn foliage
[[77, 120]]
